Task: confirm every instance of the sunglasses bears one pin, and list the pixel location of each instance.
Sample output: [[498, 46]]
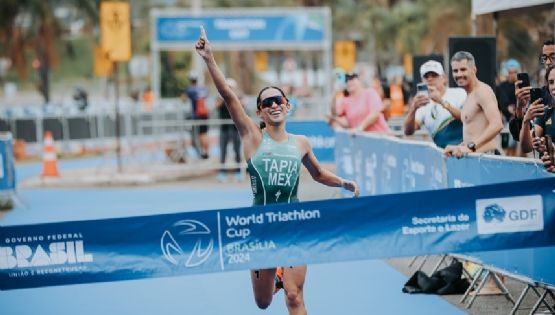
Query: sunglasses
[[350, 76], [269, 101], [544, 58]]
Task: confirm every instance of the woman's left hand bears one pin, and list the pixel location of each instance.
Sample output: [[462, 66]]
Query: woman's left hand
[[351, 186]]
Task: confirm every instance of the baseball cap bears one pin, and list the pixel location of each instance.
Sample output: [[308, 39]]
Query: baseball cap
[[193, 75], [512, 64], [431, 66]]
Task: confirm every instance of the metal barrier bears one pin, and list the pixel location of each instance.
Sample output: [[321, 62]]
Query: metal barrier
[[382, 164]]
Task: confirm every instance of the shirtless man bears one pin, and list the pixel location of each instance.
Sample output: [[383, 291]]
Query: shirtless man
[[480, 115]]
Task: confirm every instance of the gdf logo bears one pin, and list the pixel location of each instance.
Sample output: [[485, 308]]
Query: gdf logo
[[494, 211], [187, 242], [507, 215]]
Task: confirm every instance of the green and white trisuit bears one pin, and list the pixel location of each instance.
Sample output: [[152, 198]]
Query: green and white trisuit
[[274, 171]]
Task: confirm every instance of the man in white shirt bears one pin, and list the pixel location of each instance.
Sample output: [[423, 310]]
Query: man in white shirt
[[439, 110]]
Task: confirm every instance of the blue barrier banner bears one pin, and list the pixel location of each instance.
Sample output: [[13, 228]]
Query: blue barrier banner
[[532, 263], [490, 170], [493, 217], [264, 27], [320, 135]]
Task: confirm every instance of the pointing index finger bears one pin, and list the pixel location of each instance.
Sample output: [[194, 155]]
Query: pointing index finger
[[202, 32]]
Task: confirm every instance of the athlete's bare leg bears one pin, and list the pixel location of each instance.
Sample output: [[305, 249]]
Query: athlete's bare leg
[[293, 283], [263, 282]]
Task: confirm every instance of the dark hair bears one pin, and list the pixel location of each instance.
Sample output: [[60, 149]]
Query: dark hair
[[549, 42], [258, 100], [547, 72]]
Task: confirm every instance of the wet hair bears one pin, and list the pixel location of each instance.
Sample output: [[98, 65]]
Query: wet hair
[[258, 100], [549, 42], [463, 55]]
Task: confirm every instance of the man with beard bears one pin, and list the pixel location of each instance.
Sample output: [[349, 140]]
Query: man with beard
[[480, 114]]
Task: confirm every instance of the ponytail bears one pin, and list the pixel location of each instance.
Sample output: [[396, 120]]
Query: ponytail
[[262, 125]]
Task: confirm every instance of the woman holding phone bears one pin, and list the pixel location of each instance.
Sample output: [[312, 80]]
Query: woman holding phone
[[263, 148]]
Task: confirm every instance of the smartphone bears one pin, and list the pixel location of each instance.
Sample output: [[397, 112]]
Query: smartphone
[[422, 88], [523, 76], [549, 148], [535, 93]]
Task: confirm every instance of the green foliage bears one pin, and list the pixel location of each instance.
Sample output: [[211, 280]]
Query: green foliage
[[76, 59]]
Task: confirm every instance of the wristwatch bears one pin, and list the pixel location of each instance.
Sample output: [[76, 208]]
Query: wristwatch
[[445, 105], [471, 146]]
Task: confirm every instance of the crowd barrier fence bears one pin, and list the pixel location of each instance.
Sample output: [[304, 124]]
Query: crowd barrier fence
[[382, 165]]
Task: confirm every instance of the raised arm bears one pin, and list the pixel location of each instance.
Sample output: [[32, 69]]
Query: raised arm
[[245, 125], [411, 124]]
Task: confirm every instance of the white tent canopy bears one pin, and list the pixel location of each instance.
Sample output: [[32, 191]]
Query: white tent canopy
[[490, 6]]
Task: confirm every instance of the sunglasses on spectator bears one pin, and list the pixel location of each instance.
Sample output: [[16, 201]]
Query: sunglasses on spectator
[[269, 101], [543, 58], [350, 76]]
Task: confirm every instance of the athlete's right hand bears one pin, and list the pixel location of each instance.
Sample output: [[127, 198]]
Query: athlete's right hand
[[203, 46]]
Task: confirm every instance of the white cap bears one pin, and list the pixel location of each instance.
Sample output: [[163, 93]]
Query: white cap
[[431, 66], [193, 75]]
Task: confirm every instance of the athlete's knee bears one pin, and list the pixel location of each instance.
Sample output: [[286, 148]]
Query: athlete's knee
[[294, 298]]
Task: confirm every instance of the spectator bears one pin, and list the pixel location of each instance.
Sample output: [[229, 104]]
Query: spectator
[[480, 115], [197, 95], [505, 93], [522, 94], [548, 160], [440, 110], [229, 133], [543, 115], [361, 109]]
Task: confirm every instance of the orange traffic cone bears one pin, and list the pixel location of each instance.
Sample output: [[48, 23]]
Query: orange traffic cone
[[49, 160]]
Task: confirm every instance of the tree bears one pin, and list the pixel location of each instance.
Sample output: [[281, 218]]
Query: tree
[[31, 25]]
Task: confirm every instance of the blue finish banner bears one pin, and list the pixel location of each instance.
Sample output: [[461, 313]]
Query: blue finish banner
[[292, 27], [493, 217]]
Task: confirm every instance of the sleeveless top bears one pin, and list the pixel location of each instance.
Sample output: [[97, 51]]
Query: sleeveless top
[[274, 171]]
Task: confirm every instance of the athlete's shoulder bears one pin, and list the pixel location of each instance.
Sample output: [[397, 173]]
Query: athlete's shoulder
[[302, 142]]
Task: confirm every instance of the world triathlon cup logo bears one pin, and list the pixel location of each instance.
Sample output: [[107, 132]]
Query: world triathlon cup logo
[[187, 242], [494, 211]]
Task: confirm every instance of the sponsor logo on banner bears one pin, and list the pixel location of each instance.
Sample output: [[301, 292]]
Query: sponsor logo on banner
[[44, 254], [508, 215], [187, 242]]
